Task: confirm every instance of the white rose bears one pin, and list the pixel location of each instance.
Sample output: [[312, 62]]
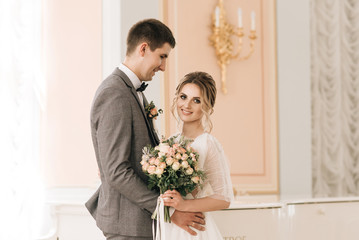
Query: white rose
[[164, 147], [185, 164], [145, 157], [178, 156], [175, 166], [189, 171]]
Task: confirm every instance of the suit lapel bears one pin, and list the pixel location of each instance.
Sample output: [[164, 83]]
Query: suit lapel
[[129, 84]]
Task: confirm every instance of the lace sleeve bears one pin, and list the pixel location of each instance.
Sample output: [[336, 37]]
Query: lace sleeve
[[218, 182]]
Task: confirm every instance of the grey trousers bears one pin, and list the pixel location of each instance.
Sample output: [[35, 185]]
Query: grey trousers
[[110, 236]]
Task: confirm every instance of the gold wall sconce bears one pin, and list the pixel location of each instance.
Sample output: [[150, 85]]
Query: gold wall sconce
[[220, 39]]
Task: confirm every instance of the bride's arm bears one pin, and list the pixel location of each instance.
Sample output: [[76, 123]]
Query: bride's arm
[[218, 177], [206, 204]]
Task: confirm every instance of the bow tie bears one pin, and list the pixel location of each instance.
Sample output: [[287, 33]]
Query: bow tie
[[142, 87]]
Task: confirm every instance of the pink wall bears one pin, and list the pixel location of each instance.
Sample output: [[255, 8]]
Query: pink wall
[[72, 63], [245, 119]]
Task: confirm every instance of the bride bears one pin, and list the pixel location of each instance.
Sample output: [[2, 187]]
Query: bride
[[194, 101]]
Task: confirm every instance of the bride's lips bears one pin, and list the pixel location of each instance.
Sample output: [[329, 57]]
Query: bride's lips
[[185, 112]]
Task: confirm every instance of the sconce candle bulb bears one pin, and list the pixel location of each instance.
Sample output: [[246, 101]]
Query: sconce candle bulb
[[240, 23], [253, 21], [217, 16]]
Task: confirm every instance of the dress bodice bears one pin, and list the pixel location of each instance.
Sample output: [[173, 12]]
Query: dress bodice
[[213, 162]]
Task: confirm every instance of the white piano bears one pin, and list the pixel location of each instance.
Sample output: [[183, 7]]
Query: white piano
[[249, 218], [290, 219]]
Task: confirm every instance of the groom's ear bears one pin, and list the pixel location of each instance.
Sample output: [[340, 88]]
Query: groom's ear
[[143, 47]]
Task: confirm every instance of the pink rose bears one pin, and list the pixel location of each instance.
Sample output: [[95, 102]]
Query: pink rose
[[184, 157], [145, 167], [153, 111], [152, 160], [182, 150], [195, 179], [169, 161], [162, 165], [171, 152], [151, 169], [157, 162]]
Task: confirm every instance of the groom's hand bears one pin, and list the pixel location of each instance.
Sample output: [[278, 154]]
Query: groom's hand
[[186, 220]]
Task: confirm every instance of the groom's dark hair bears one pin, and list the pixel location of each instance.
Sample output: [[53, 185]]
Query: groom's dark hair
[[151, 31]]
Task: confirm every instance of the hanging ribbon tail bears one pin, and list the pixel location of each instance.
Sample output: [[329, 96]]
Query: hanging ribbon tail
[[159, 214]]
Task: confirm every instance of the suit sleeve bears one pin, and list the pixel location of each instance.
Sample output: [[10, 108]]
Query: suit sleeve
[[114, 129]]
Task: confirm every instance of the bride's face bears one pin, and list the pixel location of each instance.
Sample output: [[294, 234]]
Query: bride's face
[[189, 103]]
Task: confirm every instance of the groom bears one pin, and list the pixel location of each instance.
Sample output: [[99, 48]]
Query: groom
[[120, 127]]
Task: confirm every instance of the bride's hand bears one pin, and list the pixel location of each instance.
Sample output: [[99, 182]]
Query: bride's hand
[[172, 198]]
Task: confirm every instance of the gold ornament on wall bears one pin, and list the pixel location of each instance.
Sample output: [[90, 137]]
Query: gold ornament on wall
[[220, 39]]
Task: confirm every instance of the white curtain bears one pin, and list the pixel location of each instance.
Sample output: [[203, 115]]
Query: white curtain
[[335, 97], [21, 94]]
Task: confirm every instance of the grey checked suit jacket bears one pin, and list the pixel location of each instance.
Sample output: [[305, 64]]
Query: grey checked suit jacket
[[120, 129]]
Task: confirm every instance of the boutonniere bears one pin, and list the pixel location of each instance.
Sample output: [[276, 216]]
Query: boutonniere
[[151, 110]]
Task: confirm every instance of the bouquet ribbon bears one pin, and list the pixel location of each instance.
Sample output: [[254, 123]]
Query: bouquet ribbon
[[160, 225]]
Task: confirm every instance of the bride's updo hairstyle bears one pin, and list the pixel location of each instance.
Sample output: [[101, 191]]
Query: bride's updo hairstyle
[[208, 89]]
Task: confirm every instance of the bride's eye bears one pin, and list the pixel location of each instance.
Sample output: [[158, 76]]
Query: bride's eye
[[183, 97], [197, 101]]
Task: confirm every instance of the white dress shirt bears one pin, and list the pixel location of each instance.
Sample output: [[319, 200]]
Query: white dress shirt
[[134, 79]]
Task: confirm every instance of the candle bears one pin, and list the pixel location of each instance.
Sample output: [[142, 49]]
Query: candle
[[217, 16], [240, 24], [253, 21]]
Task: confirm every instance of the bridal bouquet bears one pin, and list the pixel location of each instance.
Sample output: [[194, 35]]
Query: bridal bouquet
[[172, 165]]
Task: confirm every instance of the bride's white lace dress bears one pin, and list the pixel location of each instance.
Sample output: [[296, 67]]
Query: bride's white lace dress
[[213, 162]]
